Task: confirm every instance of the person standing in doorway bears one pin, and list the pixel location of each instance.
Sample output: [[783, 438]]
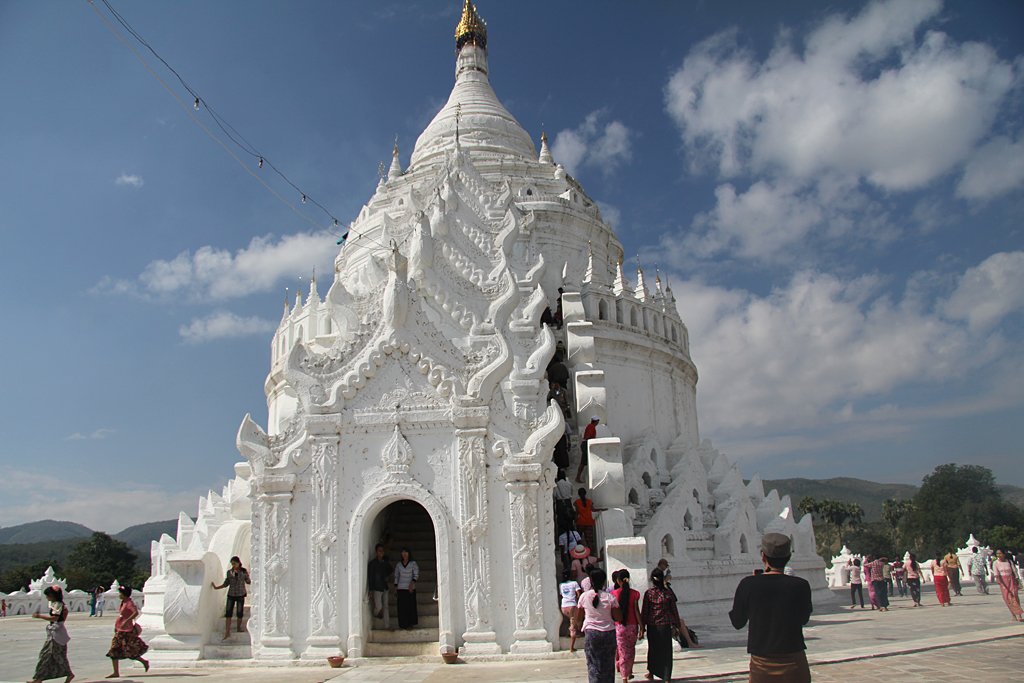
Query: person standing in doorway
[[378, 572], [235, 580], [777, 607], [407, 572], [952, 565], [589, 433], [979, 568]]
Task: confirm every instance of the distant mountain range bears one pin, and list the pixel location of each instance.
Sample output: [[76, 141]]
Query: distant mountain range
[[46, 530], [868, 494], [26, 544]]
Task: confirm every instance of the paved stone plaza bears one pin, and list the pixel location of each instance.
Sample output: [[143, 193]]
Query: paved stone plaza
[[973, 640]]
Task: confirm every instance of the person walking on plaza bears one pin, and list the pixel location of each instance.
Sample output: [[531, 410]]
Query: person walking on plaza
[[3, 608], [661, 620], [898, 573], [569, 591], [628, 629], [951, 563], [856, 585], [100, 601], [378, 571], [53, 657], [979, 568], [1005, 575], [93, 594], [596, 615], [777, 607], [913, 570], [126, 643], [941, 581], [887, 577], [234, 580], [407, 572], [873, 568], [589, 433]]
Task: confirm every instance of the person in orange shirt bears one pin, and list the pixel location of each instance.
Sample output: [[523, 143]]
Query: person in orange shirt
[[585, 517]]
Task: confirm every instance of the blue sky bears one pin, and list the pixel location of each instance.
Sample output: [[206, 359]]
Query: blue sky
[[834, 192]]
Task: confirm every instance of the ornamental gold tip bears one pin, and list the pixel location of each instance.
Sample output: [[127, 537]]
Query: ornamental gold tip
[[471, 29]]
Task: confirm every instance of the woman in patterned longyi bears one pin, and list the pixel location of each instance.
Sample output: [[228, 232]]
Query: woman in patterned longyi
[[126, 643]]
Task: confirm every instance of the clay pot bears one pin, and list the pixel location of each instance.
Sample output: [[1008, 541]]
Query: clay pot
[[336, 662], [450, 657]]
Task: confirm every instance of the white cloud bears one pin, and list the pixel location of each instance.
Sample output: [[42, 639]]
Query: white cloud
[[133, 180], [98, 434], [594, 143], [799, 356], [212, 274], [221, 325], [990, 291], [870, 97], [30, 496], [996, 168]]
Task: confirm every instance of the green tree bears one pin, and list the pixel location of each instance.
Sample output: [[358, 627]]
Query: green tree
[[893, 511], [954, 502], [101, 560], [1006, 537]]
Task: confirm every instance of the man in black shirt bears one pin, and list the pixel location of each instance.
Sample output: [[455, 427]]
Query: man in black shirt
[[378, 573], [777, 607]]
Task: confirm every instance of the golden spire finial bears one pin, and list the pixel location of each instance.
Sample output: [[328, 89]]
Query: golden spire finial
[[543, 134], [396, 145], [313, 279], [472, 30]]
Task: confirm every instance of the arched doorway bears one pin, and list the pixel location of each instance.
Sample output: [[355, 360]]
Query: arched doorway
[[406, 524]]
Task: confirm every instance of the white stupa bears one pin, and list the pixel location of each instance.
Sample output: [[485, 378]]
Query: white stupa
[[408, 406]]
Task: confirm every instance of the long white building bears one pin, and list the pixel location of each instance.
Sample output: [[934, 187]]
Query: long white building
[[407, 406]]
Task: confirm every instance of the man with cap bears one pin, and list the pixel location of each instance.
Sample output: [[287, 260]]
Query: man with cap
[[776, 606], [589, 433]]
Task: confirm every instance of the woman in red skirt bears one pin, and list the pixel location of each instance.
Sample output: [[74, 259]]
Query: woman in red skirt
[[126, 643], [941, 581]]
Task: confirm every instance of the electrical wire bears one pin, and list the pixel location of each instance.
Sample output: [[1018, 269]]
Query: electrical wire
[[248, 148]]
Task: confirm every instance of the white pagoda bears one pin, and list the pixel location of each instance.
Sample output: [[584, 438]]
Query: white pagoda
[[407, 406]]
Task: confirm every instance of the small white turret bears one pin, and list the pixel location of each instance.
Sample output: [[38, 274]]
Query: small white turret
[[396, 165], [545, 153]]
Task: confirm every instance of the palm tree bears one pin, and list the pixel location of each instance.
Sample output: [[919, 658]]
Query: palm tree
[[894, 511]]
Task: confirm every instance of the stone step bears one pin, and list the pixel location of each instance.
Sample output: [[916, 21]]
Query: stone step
[[223, 652], [401, 649], [414, 635], [425, 621]]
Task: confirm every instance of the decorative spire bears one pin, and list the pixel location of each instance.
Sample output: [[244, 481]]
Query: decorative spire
[[314, 296], [396, 164], [287, 301], [620, 286], [641, 288], [472, 30], [658, 294], [589, 275], [545, 153]]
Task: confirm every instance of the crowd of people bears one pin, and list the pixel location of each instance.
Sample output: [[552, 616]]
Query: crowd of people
[[884, 579]]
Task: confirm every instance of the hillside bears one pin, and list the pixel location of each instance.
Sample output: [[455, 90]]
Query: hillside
[[868, 494], [14, 555], [45, 530], [140, 535], [1012, 494]]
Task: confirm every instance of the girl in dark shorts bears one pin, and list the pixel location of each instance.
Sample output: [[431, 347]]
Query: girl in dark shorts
[[234, 581]]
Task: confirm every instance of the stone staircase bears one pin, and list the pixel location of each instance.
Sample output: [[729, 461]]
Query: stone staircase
[[410, 527], [238, 646]]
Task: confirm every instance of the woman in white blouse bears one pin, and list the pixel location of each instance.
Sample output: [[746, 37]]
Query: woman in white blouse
[[406, 574]]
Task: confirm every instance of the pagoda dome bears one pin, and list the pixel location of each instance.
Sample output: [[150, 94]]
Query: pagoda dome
[[483, 124]]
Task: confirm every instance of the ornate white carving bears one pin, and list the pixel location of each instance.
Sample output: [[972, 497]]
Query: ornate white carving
[[397, 456]]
